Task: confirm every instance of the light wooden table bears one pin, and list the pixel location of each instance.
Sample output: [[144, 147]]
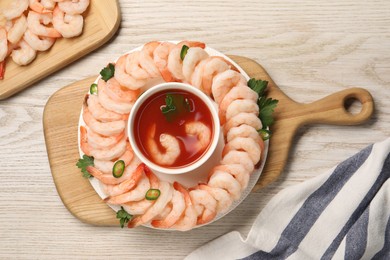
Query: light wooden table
[[310, 49]]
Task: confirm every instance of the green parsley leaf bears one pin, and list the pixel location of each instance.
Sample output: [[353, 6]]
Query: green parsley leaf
[[84, 163], [266, 105], [169, 106], [123, 217], [108, 72]]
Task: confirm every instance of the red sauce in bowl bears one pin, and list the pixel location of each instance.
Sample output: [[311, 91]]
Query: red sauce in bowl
[[150, 114]]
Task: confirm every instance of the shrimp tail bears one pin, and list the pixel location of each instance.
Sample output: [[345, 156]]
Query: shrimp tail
[[2, 69], [134, 222]]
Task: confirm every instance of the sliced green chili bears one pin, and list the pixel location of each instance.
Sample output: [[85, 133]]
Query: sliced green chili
[[152, 194], [93, 89], [265, 134], [118, 169], [183, 51]]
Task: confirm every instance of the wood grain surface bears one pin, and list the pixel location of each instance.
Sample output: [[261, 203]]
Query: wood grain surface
[[101, 20], [310, 49]]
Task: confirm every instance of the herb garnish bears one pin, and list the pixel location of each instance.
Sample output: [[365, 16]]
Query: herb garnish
[[84, 163], [123, 217], [266, 105], [108, 72], [169, 106], [175, 104], [93, 89]]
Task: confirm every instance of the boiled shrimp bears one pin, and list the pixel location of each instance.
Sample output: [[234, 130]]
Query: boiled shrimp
[[23, 54], [106, 166], [99, 112], [15, 9], [133, 66], [146, 59], [224, 82], [243, 131], [224, 200], [191, 60], [103, 128], [168, 142], [189, 218], [160, 58], [241, 106], [238, 157], [201, 131], [16, 33], [197, 75], [213, 67], [98, 141], [243, 118], [38, 24], [3, 44], [177, 208], [38, 43], [244, 144], [223, 180], [119, 94], [73, 6], [237, 171], [41, 7], [109, 104], [206, 203], [124, 78], [166, 192], [135, 193], [68, 25], [102, 154]]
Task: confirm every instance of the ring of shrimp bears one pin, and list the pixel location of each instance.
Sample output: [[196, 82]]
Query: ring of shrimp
[[177, 207]]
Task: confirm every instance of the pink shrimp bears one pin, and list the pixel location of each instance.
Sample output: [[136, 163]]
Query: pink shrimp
[[244, 144], [224, 200], [204, 201], [189, 218], [224, 82], [119, 94], [146, 59], [133, 66], [37, 6], [191, 60], [237, 171], [160, 58], [99, 112], [109, 104], [223, 180], [240, 119], [238, 157], [124, 78], [38, 24], [127, 157]]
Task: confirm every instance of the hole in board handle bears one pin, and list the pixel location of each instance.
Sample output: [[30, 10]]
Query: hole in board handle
[[353, 105]]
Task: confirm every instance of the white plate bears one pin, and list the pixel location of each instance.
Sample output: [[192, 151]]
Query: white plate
[[199, 175]]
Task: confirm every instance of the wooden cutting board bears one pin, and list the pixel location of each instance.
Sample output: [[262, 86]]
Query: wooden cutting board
[[62, 111], [102, 20]]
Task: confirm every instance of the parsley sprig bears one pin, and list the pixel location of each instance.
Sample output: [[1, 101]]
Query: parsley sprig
[[108, 72], [84, 163], [175, 105], [123, 217], [266, 105], [169, 106]]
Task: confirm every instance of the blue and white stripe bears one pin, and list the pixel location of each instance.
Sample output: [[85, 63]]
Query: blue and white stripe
[[342, 214]]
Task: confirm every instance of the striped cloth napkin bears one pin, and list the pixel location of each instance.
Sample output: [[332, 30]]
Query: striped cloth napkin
[[342, 214]]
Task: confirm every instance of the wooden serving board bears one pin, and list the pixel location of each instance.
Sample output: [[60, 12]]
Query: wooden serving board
[[102, 19], [61, 117]]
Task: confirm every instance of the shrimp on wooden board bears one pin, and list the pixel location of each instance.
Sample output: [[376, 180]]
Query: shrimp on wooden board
[[189, 218], [98, 141], [140, 207], [243, 131], [16, 32], [224, 82], [109, 104], [133, 66], [213, 67], [168, 142], [103, 128], [15, 9], [135, 194], [125, 79], [41, 7], [119, 94], [177, 208], [197, 75], [166, 192], [68, 25], [223, 198], [244, 144], [99, 112], [201, 131], [23, 54], [39, 25], [3, 51], [205, 205], [73, 6], [38, 43]]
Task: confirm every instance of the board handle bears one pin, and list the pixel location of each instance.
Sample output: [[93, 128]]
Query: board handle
[[332, 109]]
